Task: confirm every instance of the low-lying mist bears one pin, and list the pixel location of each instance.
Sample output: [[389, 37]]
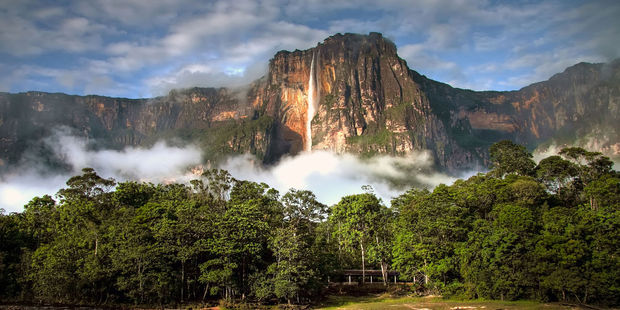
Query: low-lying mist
[[159, 163], [553, 148], [329, 175]]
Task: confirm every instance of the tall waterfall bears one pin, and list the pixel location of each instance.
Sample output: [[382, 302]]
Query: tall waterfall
[[313, 99]]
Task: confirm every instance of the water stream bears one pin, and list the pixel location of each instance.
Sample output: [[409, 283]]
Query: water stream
[[313, 98]]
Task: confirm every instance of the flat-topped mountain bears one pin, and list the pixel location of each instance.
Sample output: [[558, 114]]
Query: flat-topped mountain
[[350, 93]]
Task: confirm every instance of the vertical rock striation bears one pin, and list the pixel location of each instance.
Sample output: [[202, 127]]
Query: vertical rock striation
[[369, 102], [350, 93]]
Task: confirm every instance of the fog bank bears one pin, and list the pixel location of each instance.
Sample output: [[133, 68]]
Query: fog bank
[[329, 175]]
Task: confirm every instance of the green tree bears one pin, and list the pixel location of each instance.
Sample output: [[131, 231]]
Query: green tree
[[428, 232], [562, 253], [72, 265], [296, 266], [356, 219], [508, 157], [15, 244], [497, 261], [591, 166], [289, 276], [240, 240], [556, 173], [302, 210]]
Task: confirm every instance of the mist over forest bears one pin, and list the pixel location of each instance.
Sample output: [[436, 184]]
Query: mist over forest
[[546, 231], [277, 154], [326, 173]]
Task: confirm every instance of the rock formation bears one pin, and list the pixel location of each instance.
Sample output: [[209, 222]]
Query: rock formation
[[350, 93]]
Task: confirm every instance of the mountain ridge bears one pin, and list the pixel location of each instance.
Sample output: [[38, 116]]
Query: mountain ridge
[[369, 102]]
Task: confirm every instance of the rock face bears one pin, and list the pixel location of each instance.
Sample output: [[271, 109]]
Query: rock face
[[366, 101], [216, 119], [578, 106]]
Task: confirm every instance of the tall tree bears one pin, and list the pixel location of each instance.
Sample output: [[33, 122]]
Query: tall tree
[[428, 231], [240, 240], [508, 157], [556, 173], [591, 166], [356, 219]]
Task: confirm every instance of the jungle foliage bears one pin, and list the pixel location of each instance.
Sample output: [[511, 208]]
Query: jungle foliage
[[546, 231]]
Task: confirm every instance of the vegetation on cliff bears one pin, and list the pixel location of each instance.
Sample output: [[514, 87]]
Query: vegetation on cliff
[[370, 102], [522, 231]]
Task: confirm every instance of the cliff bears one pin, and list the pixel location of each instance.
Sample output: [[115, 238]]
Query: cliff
[[366, 101], [579, 106], [216, 119], [350, 93]]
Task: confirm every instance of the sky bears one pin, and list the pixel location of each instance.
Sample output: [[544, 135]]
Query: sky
[[140, 48]]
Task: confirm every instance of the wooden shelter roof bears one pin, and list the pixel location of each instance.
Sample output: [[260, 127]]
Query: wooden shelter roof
[[369, 272]]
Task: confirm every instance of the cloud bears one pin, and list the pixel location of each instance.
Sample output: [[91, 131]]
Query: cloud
[[27, 31], [150, 45], [211, 34], [205, 75], [239, 62], [594, 26], [92, 81], [18, 190], [600, 140], [543, 152], [545, 65], [136, 13], [419, 58], [331, 176], [159, 163]]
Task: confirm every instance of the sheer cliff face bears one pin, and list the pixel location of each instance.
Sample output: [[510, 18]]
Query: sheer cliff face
[[582, 102], [216, 119], [366, 101], [578, 106]]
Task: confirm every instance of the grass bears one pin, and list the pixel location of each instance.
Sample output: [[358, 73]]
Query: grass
[[385, 301]]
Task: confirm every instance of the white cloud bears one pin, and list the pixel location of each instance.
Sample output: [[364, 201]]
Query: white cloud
[[203, 75], [331, 176], [421, 59], [159, 163], [139, 42], [18, 190], [241, 62], [90, 81], [139, 14], [25, 35], [543, 152]]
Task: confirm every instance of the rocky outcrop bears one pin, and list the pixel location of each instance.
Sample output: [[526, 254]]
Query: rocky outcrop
[[220, 120], [579, 106], [367, 101]]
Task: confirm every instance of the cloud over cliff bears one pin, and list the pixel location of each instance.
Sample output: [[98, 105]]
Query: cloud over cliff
[[329, 175], [159, 163]]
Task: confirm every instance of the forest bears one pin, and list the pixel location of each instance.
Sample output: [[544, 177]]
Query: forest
[[548, 231]]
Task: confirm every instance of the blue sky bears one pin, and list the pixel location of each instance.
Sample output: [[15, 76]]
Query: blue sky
[[143, 48]]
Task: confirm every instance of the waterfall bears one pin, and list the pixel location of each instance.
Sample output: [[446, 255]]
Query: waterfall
[[313, 98]]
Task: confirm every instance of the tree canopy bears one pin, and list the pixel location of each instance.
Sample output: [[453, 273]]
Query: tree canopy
[[546, 231]]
